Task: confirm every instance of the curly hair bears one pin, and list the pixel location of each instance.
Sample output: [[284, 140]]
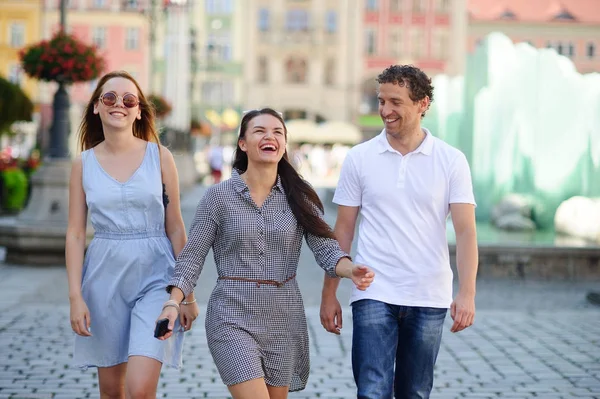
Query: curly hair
[[417, 82]]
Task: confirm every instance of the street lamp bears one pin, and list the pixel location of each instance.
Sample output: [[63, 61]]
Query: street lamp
[[61, 127]]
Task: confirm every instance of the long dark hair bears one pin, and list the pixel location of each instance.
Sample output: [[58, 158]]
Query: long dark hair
[[301, 197], [90, 130]]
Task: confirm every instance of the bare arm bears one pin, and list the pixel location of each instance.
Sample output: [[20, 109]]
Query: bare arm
[[463, 308], [331, 311], [174, 225], [75, 248]]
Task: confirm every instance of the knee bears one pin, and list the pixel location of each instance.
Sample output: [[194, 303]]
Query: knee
[[112, 391], [141, 391]]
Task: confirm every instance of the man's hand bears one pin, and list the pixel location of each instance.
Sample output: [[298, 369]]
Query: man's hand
[[462, 311], [331, 314]]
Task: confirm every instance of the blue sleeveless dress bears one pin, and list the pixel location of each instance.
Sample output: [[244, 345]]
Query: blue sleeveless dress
[[127, 266]]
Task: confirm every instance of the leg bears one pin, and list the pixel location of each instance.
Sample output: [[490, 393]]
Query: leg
[[253, 389], [419, 341], [111, 381], [142, 377], [278, 392], [374, 341]]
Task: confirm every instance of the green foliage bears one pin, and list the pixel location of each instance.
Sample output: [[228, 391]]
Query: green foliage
[[63, 58], [14, 189], [161, 107], [14, 105]]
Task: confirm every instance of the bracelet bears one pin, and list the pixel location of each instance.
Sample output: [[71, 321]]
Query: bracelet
[[171, 303], [188, 302]]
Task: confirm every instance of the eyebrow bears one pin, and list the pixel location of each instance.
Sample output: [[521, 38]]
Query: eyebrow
[[262, 127]]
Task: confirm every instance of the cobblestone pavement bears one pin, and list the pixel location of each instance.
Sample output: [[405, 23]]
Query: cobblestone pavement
[[531, 339]]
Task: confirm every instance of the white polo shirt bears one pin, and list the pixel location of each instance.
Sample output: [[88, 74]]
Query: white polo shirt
[[404, 204]]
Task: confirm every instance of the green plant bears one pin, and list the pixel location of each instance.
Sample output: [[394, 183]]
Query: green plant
[[161, 106], [63, 58], [14, 105], [14, 189]]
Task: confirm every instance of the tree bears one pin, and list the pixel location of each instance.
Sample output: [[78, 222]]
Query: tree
[[14, 105]]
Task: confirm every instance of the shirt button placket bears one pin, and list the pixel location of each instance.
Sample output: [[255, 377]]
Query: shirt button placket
[[260, 223]]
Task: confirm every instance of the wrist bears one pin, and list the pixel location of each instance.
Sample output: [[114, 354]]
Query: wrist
[[75, 297]]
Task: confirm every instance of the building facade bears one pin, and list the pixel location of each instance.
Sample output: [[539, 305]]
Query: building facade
[[300, 57], [571, 27], [218, 45], [430, 34], [19, 27]]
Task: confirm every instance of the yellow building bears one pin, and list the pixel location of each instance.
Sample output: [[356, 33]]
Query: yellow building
[[19, 27]]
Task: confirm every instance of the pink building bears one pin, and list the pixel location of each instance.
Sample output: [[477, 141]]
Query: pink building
[[120, 30], [571, 27], [430, 34]]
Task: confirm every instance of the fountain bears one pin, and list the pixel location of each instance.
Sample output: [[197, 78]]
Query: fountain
[[529, 124]]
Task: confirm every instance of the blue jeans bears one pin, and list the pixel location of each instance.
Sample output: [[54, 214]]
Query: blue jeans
[[386, 335]]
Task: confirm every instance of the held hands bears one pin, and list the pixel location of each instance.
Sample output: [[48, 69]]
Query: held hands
[[170, 312], [462, 311], [80, 317], [362, 276], [189, 312]]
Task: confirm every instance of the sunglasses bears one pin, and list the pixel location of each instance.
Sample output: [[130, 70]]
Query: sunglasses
[[110, 99], [252, 110]]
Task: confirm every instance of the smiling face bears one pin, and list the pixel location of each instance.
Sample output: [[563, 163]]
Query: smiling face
[[264, 139], [118, 116], [400, 114]]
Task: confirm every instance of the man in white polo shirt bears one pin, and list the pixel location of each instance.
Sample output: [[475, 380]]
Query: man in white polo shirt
[[404, 183]]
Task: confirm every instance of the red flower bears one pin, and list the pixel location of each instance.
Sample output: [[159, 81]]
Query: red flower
[[62, 58]]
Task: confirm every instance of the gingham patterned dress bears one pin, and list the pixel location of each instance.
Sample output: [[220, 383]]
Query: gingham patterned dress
[[253, 330]]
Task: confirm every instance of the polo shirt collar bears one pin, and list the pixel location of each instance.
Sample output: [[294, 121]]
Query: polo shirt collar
[[425, 148], [240, 185]]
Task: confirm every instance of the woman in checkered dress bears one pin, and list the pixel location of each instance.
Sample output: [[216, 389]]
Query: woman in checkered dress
[[255, 222]]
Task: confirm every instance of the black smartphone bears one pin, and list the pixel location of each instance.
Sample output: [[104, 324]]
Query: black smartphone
[[162, 327]]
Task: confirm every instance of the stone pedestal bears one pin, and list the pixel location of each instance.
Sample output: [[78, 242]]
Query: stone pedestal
[[37, 235]]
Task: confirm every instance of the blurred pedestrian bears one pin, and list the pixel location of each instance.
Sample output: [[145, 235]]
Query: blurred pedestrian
[[129, 184], [215, 161], [254, 222]]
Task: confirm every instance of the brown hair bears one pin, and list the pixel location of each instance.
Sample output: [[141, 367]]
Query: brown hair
[[418, 83], [301, 197], [90, 129]]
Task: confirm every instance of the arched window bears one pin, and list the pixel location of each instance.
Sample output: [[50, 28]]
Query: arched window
[[296, 70]]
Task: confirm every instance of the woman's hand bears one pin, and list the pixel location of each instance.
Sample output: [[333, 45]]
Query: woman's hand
[[362, 276], [189, 312], [80, 317], [171, 313]]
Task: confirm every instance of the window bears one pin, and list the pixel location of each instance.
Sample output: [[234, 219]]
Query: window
[[395, 42], [213, 7], [263, 69], [591, 50], [131, 4], [559, 48], [132, 38], [15, 74], [370, 41], [263, 19], [217, 93], [330, 72], [418, 6], [331, 21], [442, 6], [396, 5], [17, 34], [99, 36], [571, 50], [219, 46], [439, 45], [296, 20], [99, 3], [296, 70], [372, 5], [417, 43]]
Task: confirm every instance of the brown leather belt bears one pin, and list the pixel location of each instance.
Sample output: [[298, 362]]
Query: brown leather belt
[[259, 282]]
